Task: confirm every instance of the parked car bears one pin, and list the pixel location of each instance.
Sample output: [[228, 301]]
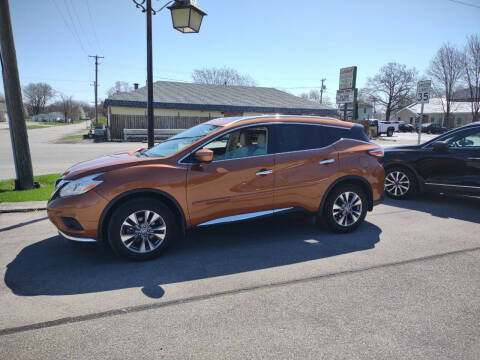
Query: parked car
[[385, 127], [447, 163], [434, 129], [404, 127], [222, 170]]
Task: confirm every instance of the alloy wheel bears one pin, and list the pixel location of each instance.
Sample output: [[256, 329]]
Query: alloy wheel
[[397, 183], [347, 208], [143, 231]]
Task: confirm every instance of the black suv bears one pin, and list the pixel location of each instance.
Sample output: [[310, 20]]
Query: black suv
[[434, 129], [447, 163]]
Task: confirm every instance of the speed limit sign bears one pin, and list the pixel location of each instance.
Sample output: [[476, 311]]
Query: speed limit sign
[[423, 91]]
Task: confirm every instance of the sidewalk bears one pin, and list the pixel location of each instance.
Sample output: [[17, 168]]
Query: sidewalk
[[22, 206]]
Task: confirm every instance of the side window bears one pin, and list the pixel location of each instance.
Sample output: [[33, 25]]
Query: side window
[[464, 139], [296, 137], [240, 144]]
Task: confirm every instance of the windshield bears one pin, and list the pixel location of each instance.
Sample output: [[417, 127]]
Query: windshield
[[180, 141]]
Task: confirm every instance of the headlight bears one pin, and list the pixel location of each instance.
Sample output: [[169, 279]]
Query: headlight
[[80, 186]]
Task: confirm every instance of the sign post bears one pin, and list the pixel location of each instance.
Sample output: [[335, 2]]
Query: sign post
[[423, 96], [347, 93]]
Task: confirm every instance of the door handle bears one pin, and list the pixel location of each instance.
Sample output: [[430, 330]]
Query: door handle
[[264, 172], [327, 161]]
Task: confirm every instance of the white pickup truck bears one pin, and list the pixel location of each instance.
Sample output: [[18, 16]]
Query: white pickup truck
[[385, 127]]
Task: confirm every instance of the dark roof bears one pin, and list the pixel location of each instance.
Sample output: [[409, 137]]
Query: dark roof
[[191, 96], [462, 95]]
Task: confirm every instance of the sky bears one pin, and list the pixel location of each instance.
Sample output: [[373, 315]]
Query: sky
[[290, 45]]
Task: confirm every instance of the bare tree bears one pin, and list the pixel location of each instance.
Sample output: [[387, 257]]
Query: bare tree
[[119, 87], [471, 61], [37, 96], [392, 87], [314, 95], [67, 105], [221, 76], [446, 70]]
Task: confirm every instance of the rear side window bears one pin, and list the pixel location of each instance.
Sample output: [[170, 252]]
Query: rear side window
[[295, 137], [336, 133]]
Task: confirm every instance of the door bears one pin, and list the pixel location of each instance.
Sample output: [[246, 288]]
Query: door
[[239, 180], [458, 168], [305, 161]]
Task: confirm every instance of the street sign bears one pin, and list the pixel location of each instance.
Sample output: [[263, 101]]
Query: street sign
[[347, 78], [346, 96], [423, 91]]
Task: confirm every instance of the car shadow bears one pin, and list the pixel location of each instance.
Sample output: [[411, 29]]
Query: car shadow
[[458, 207], [55, 266]]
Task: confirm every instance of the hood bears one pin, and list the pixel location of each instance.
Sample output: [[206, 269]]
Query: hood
[[102, 164], [390, 149]]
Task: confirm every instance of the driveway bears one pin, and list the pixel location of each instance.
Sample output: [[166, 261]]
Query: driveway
[[405, 285]]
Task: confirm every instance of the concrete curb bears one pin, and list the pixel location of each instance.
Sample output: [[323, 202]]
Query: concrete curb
[[25, 206]]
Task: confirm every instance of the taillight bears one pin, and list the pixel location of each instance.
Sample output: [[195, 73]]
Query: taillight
[[376, 152]]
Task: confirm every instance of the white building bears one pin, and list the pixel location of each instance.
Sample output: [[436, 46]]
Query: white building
[[433, 112]]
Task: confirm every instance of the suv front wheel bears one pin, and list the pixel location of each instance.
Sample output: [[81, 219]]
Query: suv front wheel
[[345, 208], [141, 229]]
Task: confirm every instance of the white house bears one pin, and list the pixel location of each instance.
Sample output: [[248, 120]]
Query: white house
[[50, 117], [433, 112]]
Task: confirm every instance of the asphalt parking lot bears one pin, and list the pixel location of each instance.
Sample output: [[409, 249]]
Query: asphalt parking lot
[[405, 285]]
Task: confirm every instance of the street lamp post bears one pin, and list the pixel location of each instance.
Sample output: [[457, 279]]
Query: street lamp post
[[187, 18]]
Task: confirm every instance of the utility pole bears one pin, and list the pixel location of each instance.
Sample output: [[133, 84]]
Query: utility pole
[[96, 85], [321, 91], [13, 98]]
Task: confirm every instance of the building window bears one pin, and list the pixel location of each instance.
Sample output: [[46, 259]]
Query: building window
[[433, 119], [364, 110], [459, 121], [411, 120]]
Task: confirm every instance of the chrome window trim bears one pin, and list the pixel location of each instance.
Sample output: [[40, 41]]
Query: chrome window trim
[[448, 133], [266, 124]]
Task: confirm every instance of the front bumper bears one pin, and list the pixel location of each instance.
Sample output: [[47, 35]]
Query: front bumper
[[75, 238], [86, 209]]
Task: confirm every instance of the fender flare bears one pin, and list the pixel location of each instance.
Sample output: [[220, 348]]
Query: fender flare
[[344, 179], [116, 200]]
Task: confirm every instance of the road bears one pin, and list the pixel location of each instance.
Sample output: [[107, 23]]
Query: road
[[405, 285], [49, 156]]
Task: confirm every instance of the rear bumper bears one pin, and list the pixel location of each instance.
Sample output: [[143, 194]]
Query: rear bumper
[[379, 200]]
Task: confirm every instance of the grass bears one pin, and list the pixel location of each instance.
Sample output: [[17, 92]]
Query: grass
[[47, 182], [30, 127], [73, 137]]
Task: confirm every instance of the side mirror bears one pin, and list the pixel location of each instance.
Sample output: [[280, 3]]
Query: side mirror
[[440, 146], [204, 155]]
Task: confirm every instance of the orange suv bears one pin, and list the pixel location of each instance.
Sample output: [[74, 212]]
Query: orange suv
[[221, 170]]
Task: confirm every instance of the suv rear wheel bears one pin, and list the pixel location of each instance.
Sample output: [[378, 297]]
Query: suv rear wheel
[[399, 183], [141, 229], [390, 132], [345, 208]]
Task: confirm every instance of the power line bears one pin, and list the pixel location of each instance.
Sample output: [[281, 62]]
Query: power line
[[93, 26], [68, 27], [73, 24], [80, 26], [465, 3]]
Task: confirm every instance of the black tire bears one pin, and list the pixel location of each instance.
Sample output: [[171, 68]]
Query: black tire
[[332, 217], [390, 132], [150, 248], [395, 183]]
